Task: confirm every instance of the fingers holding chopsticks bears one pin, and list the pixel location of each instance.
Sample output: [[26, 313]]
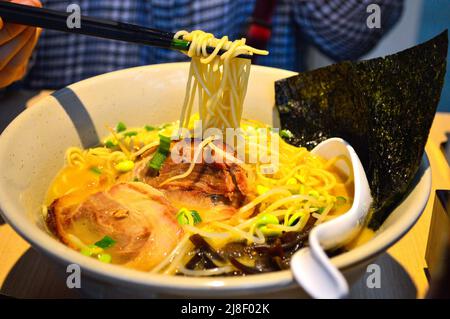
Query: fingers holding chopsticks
[[16, 46], [16, 67]]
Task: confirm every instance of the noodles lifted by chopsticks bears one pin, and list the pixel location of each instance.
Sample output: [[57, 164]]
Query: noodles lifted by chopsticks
[[221, 81]]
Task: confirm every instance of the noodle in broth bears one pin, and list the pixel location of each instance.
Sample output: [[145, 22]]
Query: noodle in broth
[[279, 206]]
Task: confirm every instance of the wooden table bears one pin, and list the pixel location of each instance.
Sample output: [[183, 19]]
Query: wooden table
[[25, 273]]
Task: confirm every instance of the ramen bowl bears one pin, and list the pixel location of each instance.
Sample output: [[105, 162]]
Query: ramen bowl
[[32, 151]]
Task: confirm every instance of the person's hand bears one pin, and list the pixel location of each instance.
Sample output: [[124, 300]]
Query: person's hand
[[16, 46]]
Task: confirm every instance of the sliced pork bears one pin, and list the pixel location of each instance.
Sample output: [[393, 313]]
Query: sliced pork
[[215, 189], [137, 216]]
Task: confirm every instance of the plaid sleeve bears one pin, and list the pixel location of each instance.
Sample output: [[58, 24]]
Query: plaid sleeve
[[338, 28]]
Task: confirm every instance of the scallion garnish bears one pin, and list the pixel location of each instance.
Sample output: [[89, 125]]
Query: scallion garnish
[[150, 128], [340, 200], [164, 144], [160, 156], [121, 127], [96, 170], [105, 243], [110, 144], [91, 250], [196, 216], [105, 258], [130, 133], [188, 217], [157, 161]]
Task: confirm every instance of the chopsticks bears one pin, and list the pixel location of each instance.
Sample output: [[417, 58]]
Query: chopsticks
[[109, 29]]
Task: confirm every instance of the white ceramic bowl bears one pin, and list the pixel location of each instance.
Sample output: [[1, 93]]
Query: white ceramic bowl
[[32, 151]]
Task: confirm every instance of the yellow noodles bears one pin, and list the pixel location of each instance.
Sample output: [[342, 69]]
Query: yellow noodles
[[221, 81]]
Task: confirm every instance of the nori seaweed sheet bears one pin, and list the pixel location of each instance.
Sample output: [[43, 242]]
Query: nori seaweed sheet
[[383, 107]]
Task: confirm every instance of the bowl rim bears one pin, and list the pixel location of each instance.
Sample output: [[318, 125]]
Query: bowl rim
[[280, 279]]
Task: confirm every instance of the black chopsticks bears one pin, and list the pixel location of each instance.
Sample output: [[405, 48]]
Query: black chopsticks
[[115, 30]]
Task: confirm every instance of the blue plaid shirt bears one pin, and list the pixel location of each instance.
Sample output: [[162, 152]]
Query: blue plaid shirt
[[336, 27]]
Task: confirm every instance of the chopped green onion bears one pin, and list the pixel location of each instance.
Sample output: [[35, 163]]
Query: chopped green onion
[[157, 161], [196, 216], [110, 144], [95, 249], [105, 243], [164, 144], [286, 134], [86, 251], [182, 219], [341, 200], [91, 250], [321, 209], [188, 217], [150, 128], [121, 127], [136, 179], [124, 166], [104, 258], [96, 170], [161, 154], [130, 133]]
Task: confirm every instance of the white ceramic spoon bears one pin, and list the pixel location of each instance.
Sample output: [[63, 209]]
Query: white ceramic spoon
[[310, 266]]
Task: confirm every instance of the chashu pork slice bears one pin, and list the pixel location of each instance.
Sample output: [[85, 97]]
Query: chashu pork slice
[[137, 216], [215, 189]]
